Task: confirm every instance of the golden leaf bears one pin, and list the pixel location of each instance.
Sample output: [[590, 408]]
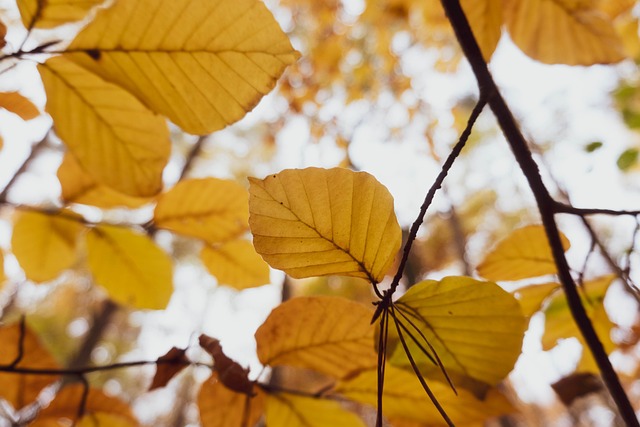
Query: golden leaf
[[45, 245], [523, 254], [221, 407], [20, 390], [203, 64], [211, 209], [115, 138], [331, 335], [79, 187], [405, 399], [100, 410], [485, 18], [52, 13], [130, 266], [2, 275], [316, 222], [476, 328], [18, 104], [236, 264], [285, 409], [532, 297], [562, 32], [615, 8]]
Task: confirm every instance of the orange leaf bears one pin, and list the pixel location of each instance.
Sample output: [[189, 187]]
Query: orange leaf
[[231, 374], [18, 104], [172, 363], [221, 407]]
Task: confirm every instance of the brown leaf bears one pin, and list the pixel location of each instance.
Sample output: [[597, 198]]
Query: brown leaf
[[169, 366], [230, 373], [575, 386]]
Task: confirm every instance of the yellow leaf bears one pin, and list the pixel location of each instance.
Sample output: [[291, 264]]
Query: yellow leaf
[[79, 187], [523, 254], [2, 275], [221, 407], [45, 245], [532, 297], [203, 64], [129, 265], [485, 18], [562, 32], [211, 209], [328, 334], [100, 410], [115, 138], [476, 328], [18, 104], [20, 390], [236, 264], [52, 13], [317, 222], [285, 409], [404, 398], [615, 8]]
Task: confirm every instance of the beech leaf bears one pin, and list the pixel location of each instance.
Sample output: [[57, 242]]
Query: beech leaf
[[236, 264], [317, 222], [525, 253], [53, 13], [18, 104], [331, 335], [169, 365], [286, 409], [230, 373], [221, 407], [532, 297], [203, 64], [485, 18]]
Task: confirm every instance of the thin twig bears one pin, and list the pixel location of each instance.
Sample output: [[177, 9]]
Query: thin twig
[[560, 207], [192, 156], [35, 150]]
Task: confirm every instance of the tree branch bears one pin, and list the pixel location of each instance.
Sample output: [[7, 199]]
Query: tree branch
[[35, 150], [546, 204]]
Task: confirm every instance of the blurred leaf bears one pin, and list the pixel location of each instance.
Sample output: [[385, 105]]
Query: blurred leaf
[[114, 137], [316, 222], [405, 399], [327, 334], [576, 386], [476, 328], [615, 8], [18, 104], [45, 245], [593, 146], [627, 159], [525, 253], [562, 32], [285, 409], [230, 373], [2, 275], [173, 362], [79, 187], [485, 18], [3, 34], [236, 264], [221, 407], [20, 390], [52, 13], [203, 64], [532, 297], [211, 209], [130, 266]]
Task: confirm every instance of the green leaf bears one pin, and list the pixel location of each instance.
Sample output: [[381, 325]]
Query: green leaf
[[593, 146], [627, 159]]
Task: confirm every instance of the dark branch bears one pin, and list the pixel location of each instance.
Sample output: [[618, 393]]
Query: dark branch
[[564, 208]]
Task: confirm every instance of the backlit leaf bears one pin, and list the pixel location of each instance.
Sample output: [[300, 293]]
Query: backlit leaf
[[115, 138], [405, 399], [211, 209], [203, 64], [100, 410], [532, 297], [236, 264], [45, 245], [130, 266], [562, 32], [316, 222], [52, 13], [285, 409], [169, 365], [523, 254], [79, 187], [221, 407], [18, 104], [229, 372], [485, 18], [476, 328], [328, 334], [627, 159], [20, 390]]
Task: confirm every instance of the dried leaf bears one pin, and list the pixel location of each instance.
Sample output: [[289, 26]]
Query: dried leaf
[[169, 365], [230, 373]]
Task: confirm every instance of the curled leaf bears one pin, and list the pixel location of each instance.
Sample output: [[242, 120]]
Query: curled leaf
[[169, 365], [230, 373]]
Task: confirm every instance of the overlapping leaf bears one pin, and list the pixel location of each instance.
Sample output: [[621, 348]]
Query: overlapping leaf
[[286, 409], [532, 297], [52, 13], [236, 264], [203, 64], [405, 399], [211, 209], [476, 328], [328, 334], [562, 32], [221, 407], [19, 105], [315, 222], [45, 245], [485, 18], [523, 254], [115, 138], [132, 269]]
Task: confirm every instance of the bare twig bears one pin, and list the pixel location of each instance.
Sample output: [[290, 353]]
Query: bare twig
[[35, 150]]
